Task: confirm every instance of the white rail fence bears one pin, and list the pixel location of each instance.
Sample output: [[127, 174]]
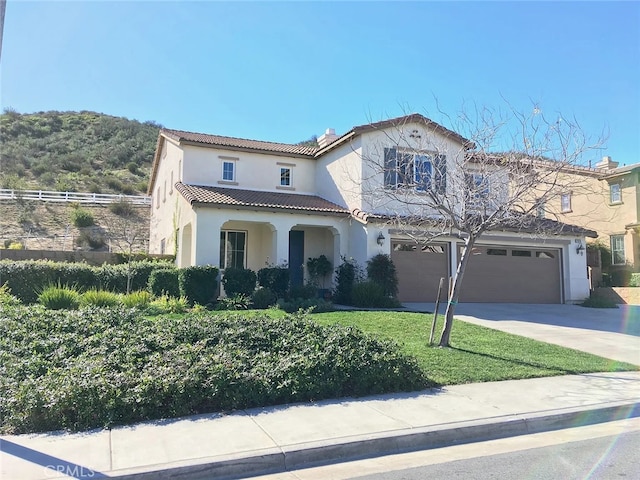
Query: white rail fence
[[77, 197]]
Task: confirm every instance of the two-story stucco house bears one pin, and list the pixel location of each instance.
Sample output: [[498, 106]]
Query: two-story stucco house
[[607, 199], [235, 202]]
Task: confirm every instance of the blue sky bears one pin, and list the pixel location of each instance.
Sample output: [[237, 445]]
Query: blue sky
[[285, 71]]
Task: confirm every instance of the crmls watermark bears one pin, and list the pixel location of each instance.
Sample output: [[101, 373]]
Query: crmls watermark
[[73, 471]]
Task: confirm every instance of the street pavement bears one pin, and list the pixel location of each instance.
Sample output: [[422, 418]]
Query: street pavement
[[258, 441]]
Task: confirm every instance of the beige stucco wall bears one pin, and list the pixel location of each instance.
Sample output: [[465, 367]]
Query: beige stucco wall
[[591, 208], [414, 137], [168, 207], [254, 171], [338, 175]]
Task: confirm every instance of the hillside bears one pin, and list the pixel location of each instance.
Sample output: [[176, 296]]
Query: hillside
[[76, 151]]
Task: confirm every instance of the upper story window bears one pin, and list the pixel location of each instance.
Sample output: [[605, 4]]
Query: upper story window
[[477, 187], [423, 171], [229, 171], [615, 193], [285, 177], [565, 202], [617, 250]]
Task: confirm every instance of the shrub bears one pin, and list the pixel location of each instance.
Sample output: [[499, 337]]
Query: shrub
[[16, 246], [347, 274], [367, 294], [81, 217], [315, 305], [240, 301], [381, 270], [164, 281], [114, 277], [132, 167], [137, 299], [239, 281], [93, 368], [596, 301], [318, 268], [198, 284], [634, 281], [100, 298], [86, 239], [122, 207], [620, 277], [166, 304], [6, 299], [276, 279], [263, 298], [59, 297], [304, 292]]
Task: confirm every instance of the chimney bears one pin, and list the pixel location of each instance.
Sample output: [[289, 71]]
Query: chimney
[[328, 137], [606, 164]]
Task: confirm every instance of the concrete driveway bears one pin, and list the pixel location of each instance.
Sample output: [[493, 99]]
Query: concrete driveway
[[609, 333]]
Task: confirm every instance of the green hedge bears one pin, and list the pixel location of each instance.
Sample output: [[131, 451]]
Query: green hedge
[[199, 284], [239, 281], [164, 281], [93, 367], [275, 279], [27, 278]]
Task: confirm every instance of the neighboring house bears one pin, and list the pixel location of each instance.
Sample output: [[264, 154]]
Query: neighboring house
[[235, 202], [607, 200]]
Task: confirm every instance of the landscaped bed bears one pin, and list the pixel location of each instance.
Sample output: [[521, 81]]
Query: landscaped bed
[[100, 367]]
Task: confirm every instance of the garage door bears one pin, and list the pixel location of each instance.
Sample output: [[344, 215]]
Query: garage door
[[512, 275], [419, 268]]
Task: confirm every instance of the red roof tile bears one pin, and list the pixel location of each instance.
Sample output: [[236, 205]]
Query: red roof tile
[[196, 194], [179, 136]]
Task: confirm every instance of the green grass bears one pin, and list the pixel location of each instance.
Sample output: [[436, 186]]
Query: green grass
[[477, 354]]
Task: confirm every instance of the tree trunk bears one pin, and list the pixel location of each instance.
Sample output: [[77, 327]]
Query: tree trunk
[[455, 291]]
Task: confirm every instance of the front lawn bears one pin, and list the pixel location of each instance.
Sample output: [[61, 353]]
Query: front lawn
[[100, 367], [478, 354]]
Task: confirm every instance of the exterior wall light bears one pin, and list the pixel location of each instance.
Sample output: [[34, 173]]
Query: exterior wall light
[[380, 240], [580, 249]]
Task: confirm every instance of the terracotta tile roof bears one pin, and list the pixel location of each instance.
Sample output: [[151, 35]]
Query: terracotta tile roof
[[196, 194], [243, 143]]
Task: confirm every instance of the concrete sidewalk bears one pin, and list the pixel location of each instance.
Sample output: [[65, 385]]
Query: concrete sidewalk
[[274, 439]]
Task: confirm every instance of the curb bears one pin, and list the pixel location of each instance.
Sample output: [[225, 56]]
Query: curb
[[383, 443]]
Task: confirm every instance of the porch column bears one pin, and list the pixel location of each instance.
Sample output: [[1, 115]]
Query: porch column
[[280, 241], [206, 232]]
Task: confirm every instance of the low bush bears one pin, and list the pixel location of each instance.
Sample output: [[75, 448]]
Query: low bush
[[596, 301], [137, 299], [164, 281], [381, 270], [370, 294], [199, 284], [122, 208], [634, 281], [6, 298], [166, 304], [347, 274], [239, 281], [314, 305], [100, 298], [304, 292], [239, 301], [81, 217], [263, 298], [94, 368], [59, 297], [276, 279]]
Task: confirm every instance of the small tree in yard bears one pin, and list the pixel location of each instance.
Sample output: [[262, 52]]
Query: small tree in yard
[[427, 189]]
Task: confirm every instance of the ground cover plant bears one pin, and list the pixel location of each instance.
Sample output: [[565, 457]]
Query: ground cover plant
[[477, 354], [97, 367]]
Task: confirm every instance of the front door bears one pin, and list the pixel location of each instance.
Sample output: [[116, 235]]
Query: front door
[[296, 257]]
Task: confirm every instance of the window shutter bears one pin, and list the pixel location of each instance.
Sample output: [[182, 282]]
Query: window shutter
[[390, 167], [440, 174]]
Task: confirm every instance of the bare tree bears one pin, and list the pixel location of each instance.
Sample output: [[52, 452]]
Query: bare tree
[[127, 234], [496, 172]]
